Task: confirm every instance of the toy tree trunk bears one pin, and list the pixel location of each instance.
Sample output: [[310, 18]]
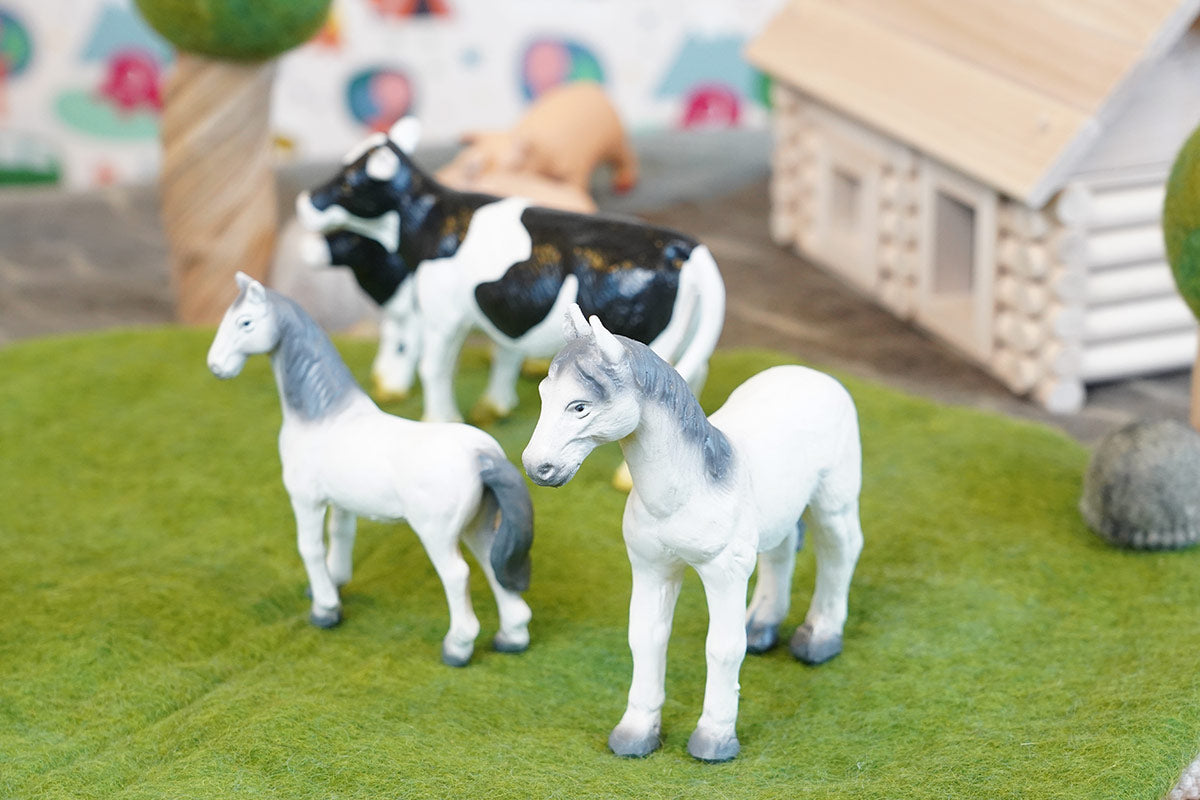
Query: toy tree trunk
[[218, 183], [1194, 417]]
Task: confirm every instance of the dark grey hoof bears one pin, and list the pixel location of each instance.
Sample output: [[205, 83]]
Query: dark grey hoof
[[761, 638], [628, 746], [505, 646], [804, 648], [325, 617], [704, 747], [454, 660]]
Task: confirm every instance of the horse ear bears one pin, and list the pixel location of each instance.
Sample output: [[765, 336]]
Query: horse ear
[[254, 290], [574, 325], [612, 350], [406, 132]]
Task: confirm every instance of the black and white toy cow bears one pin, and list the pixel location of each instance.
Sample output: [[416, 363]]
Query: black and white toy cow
[[442, 262]]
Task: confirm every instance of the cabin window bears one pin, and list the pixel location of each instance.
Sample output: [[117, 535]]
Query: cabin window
[[844, 201], [953, 246]]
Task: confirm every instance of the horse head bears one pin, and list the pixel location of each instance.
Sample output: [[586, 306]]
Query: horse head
[[248, 328], [589, 398]]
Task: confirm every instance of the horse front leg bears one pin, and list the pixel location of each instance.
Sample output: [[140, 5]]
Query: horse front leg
[[500, 397], [439, 356], [310, 538], [651, 610], [725, 581], [340, 561]]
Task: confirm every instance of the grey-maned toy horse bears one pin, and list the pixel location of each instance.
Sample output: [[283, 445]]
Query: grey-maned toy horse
[[341, 453], [714, 494]]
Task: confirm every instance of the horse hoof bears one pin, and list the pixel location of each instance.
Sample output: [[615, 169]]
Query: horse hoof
[[452, 658], [813, 652], [703, 746], [325, 617], [629, 744], [761, 638], [504, 644]]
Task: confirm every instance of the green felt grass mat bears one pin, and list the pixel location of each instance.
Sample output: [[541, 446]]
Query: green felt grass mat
[[154, 642]]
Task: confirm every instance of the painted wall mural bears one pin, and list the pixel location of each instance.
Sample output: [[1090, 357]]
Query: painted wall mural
[[80, 103]]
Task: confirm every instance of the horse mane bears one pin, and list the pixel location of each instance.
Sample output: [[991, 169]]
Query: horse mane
[[658, 381], [314, 381]]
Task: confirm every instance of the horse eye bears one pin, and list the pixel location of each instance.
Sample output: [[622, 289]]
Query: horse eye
[[245, 322], [579, 408], [400, 348]]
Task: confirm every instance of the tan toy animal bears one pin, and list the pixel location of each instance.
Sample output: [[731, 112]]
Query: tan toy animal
[[563, 136], [541, 190]]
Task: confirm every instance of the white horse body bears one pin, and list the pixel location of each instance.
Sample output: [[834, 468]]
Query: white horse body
[[344, 458], [716, 495]]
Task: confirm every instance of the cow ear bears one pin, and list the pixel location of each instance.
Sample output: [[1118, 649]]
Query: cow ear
[[612, 350], [383, 164], [406, 133], [574, 325]]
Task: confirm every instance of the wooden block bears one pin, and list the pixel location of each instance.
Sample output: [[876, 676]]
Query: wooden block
[[1136, 318], [1128, 283], [1081, 205], [1060, 395], [1143, 355]]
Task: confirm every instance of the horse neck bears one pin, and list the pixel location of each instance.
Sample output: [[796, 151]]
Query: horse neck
[[666, 465], [313, 380]]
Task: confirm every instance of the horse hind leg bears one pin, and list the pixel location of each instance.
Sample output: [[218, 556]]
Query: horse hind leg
[[513, 636], [440, 540], [772, 593], [837, 542]]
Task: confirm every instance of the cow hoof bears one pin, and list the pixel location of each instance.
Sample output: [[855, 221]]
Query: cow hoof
[[634, 744], [761, 638], [486, 412], [811, 651], [704, 746], [622, 481], [325, 617], [535, 367]]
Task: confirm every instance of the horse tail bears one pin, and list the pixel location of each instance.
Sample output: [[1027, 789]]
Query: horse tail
[[513, 526], [709, 290]]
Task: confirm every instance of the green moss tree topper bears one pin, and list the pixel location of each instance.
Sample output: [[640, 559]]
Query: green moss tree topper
[[1181, 221], [238, 30], [1181, 234]]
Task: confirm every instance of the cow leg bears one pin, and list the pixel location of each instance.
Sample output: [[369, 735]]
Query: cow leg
[[439, 358], [500, 398]]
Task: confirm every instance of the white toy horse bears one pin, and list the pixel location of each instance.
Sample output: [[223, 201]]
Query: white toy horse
[[714, 495], [340, 452]]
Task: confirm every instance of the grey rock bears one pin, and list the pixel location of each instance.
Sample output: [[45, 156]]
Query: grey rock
[[1142, 487]]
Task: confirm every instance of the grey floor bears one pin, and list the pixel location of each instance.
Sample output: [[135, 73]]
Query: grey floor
[[95, 260]]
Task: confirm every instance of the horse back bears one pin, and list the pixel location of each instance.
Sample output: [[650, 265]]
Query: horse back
[[795, 430]]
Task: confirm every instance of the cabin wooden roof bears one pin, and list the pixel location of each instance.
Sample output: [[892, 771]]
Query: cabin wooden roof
[[1011, 92]]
